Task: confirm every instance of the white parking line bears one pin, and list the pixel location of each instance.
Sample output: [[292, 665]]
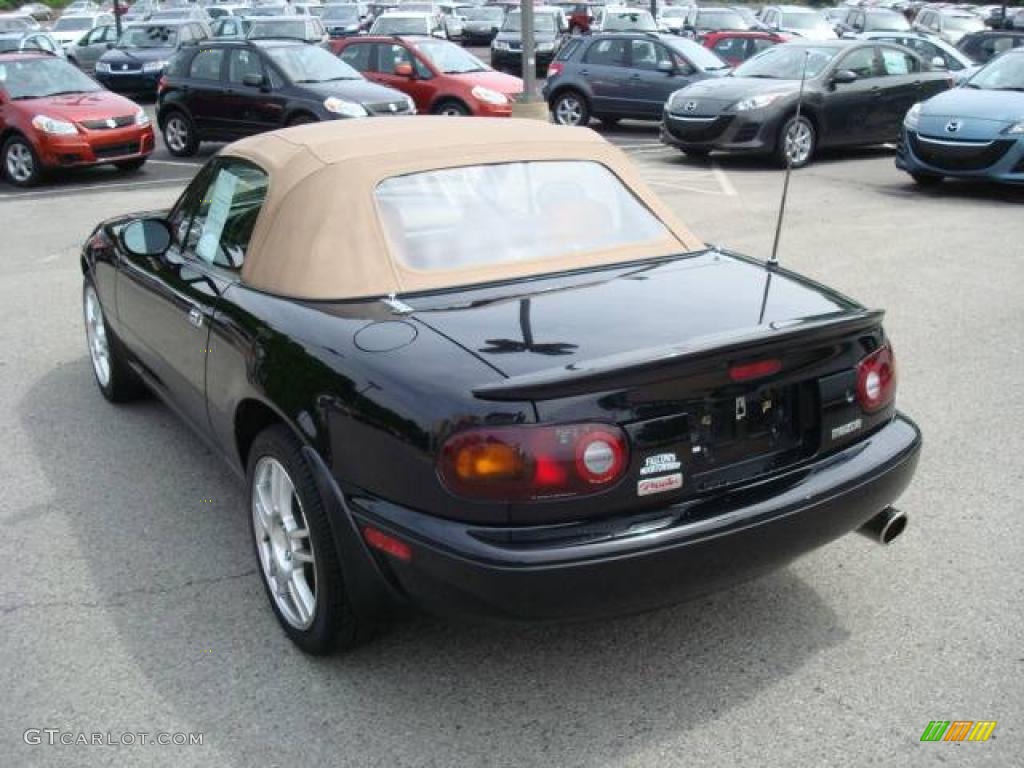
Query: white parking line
[[185, 163], [710, 181], [92, 188]]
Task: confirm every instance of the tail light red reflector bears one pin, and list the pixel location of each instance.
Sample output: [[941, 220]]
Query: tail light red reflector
[[876, 379], [754, 370], [387, 543], [555, 68]]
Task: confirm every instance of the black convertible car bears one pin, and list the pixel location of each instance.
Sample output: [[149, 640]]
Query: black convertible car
[[855, 93], [479, 368]]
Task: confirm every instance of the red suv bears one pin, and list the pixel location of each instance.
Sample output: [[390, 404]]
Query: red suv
[[441, 77], [735, 47], [53, 116]]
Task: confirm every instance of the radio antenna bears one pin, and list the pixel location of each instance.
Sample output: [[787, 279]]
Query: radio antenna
[[789, 164]]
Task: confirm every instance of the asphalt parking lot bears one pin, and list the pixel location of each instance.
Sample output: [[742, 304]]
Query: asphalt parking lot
[[130, 601]]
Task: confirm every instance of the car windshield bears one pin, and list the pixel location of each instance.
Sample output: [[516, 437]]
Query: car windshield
[[341, 13], [180, 13], [400, 25], [13, 25], [786, 62], [149, 37], [806, 21], [886, 22], [964, 23], [493, 15], [674, 13], [417, 8], [698, 54], [310, 64], [542, 22], [720, 18], [267, 10], [485, 215], [627, 21], [450, 58], [39, 78], [295, 29], [71, 24], [1005, 73]]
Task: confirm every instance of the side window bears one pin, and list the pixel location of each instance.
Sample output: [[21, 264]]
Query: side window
[[757, 45], [895, 62], [198, 33], [390, 56], [857, 21], [610, 53], [357, 56], [31, 44], [110, 34], [730, 48], [567, 50], [645, 54], [184, 34], [242, 62], [227, 213], [861, 61], [95, 36], [206, 64]]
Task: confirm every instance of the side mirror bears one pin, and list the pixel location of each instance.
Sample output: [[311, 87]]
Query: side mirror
[[146, 237], [252, 79], [938, 62], [667, 67], [403, 69], [844, 77]]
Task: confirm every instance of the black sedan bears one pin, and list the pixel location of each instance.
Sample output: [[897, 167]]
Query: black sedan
[[855, 93], [479, 368], [138, 61]]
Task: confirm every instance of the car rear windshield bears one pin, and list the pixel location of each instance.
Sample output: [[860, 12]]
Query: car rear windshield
[[486, 215], [13, 25], [542, 22], [805, 20], [720, 18], [494, 15], [39, 78], [786, 62], [399, 25], [886, 21], [285, 28], [964, 23], [629, 21], [68, 24], [341, 13], [149, 37]]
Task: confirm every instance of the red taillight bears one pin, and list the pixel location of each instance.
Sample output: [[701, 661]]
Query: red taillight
[[523, 463], [387, 543], [555, 68], [876, 379], [754, 370]]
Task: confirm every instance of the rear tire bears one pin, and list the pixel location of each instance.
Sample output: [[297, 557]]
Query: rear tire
[[117, 381], [570, 108], [296, 521], [180, 135], [926, 179]]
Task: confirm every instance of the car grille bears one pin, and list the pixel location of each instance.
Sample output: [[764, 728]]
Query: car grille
[[747, 132], [105, 124], [955, 155], [126, 67], [698, 129], [117, 150], [387, 108]]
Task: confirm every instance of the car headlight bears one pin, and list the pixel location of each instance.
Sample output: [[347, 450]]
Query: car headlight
[[53, 126], [488, 96], [141, 118], [102, 66], [1016, 128], [342, 107], [154, 66], [498, 45], [352, 28], [913, 117], [755, 102]]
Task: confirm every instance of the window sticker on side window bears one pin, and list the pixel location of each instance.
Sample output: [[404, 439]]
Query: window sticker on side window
[[219, 198]]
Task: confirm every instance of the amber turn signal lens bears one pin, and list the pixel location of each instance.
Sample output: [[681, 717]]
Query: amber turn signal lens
[[487, 461]]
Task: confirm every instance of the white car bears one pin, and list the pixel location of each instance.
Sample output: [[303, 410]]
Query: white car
[[406, 23], [69, 29], [622, 19], [799, 21]]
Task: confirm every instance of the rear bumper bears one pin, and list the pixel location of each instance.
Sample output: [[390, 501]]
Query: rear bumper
[[96, 147], [617, 566]]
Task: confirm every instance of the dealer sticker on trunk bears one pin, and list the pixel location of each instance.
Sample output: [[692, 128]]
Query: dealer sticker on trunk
[[650, 485]]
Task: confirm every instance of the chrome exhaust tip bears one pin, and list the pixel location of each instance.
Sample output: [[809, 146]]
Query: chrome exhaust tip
[[885, 526]]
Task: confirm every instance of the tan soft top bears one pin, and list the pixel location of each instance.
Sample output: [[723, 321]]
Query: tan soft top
[[319, 235]]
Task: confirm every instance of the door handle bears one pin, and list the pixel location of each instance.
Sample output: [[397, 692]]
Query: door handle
[[634, 77], [195, 316], [584, 72]]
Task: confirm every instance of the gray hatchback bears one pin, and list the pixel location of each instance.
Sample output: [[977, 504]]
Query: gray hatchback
[[624, 75]]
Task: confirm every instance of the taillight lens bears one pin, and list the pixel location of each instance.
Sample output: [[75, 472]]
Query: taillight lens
[[876, 379], [524, 463], [555, 68]]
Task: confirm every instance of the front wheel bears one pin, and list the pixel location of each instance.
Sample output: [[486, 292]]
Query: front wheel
[[797, 142], [20, 163], [451, 109], [117, 381], [297, 556], [570, 108]]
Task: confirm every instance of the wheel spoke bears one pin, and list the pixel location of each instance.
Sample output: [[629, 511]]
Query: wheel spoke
[[298, 533], [302, 556], [302, 598], [263, 508]]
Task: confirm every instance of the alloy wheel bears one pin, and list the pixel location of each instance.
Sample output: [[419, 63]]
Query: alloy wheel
[[176, 133], [283, 543], [19, 161], [569, 111], [799, 142], [96, 335]]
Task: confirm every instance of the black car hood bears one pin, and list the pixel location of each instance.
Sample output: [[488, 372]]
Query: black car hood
[[734, 88], [135, 55], [516, 37], [361, 91], [529, 327]]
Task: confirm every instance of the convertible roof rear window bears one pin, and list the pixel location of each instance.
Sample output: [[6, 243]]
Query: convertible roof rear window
[[484, 215]]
